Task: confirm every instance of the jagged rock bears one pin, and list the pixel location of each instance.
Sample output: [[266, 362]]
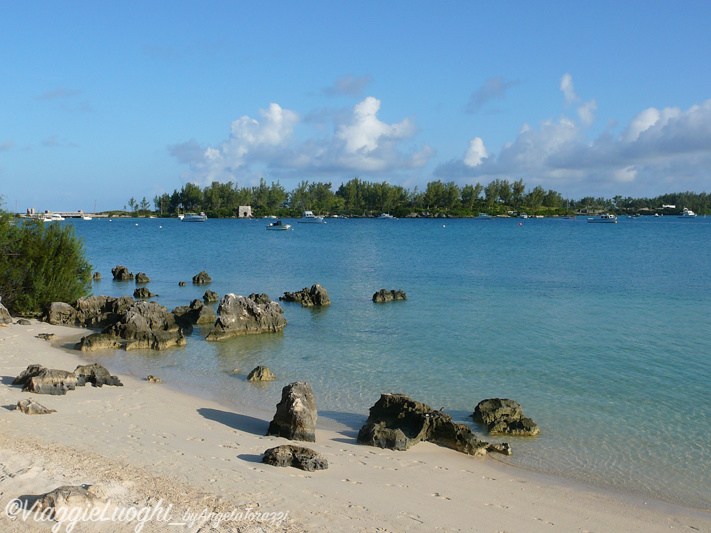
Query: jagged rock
[[23, 322], [97, 341], [202, 278], [315, 296], [96, 276], [101, 311], [240, 316], [261, 373], [181, 284], [210, 297], [46, 336], [153, 379], [148, 325], [97, 375], [383, 296], [60, 313], [260, 298], [196, 313], [31, 407], [504, 417], [5, 317], [296, 456], [296, 413], [143, 293], [42, 380], [68, 498], [121, 273], [398, 422], [142, 277]]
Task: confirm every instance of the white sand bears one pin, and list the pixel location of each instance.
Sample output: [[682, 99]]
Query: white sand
[[143, 442]]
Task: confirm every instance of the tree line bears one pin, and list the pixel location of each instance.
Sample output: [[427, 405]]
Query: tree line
[[358, 197]]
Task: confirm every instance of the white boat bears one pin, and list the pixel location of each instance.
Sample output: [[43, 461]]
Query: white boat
[[86, 218], [387, 216], [194, 217], [484, 216], [278, 226], [688, 213], [52, 217], [523, 215], [309, 218], [604, 219]]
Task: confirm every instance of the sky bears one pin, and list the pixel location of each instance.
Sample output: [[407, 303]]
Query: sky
[[104, 101]]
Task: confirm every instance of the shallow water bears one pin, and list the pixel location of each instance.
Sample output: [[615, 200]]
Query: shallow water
[[600, 331]]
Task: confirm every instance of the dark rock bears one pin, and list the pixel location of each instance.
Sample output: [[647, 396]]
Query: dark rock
[[241, 316], [153, 379], [60, 313], [315, 296], [147, 325], [383, 296], [260, 298], [46, 336], [24, 377], [296, 456], [5, 317], [23, 322], [31, 407], [202, 278], [121, 273], [97, 341], [210, 297], [143, 293], [398, 422], [502, 416], [51, 381], [296, 413], [196, 313], [181, 284], [97, 375], [67, 498], [261, 373], [96, 276], [101, 311], [142, 277]]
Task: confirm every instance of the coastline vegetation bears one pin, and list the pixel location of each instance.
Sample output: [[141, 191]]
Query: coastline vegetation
[[364, 198]]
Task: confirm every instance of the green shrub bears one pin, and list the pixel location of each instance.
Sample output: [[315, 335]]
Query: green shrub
[[40, 264]]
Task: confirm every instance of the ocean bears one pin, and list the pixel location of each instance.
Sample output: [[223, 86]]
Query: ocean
[[602, 332]]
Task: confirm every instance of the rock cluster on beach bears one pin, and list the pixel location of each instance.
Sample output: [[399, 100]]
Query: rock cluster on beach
[[315, 296], [41, 380], [296, 413], [296, 456], [31, 407], [384, 295], [398, 422], [91, 311], [504, 417], [241, 316]]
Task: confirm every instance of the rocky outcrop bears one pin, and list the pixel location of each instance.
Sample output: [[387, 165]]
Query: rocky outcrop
[[46, 336], [195, 313], [31, 407], [315, 296], [142, 277], [296, 456], [96, 276], [260, 298], [98, 341], [296, 413], [154, 379], [97, 375], [502, 416], [210, 297], [5, 317], [397, 422], [23, 322], [121, 273], [142, 293], [181, 284], [202, 278], [60, 313], [384, 295], [101, 311], [147, 325], [41, 380], [241, 316], [261, 373]]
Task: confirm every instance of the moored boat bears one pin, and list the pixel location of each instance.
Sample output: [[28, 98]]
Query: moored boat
[[604, 219], [688, 213], [278, 226], [194, 217], [309, 218]]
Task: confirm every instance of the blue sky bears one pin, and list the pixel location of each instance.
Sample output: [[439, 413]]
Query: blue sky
[[105, 101]]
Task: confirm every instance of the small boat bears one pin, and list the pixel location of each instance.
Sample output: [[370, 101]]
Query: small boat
[[86, 218], [523, 215], [194, 217], [387, 216], [604, 219], [278, 226], [484, 216], [309, 218], [52, 217], [688, 213]]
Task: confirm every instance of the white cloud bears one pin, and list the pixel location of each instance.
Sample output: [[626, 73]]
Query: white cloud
[[586, 112], [476, 152], [566, 86]]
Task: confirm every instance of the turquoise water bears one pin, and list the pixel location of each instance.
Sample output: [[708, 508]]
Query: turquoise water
[[601, 332]]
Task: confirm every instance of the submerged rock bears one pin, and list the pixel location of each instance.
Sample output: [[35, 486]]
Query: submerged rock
[[504, 417], [296, 413], [31, 407], [241, 316], [315, 296], [296, 456], [384, 295], [261, 373]]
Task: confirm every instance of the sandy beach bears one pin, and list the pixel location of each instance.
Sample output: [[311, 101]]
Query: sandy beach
[[144, 445]]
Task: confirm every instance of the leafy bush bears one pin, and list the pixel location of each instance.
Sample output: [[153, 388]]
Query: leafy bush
[[40, 264]]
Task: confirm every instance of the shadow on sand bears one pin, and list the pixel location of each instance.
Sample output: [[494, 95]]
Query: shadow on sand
[[245, 423]]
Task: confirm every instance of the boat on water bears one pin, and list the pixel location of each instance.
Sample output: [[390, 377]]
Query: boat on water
[[604, 219], [278, 226], [523, 215], [194, 217], [387, 216], [484, 216], [86, 218], [52, 217], [688, 213], [309, 218]]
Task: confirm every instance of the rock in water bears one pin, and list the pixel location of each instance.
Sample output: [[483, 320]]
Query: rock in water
[[96, 276], [31, 407], [142, 293], [315, 296], [147, 325], [504, 417], [210, 297], [97, 375], [121, 273], [202, 278], [242, 316], [296, 456], [142, 277], [97, 341], [196, 313], [296, 413], [383, 296], [261, 373]]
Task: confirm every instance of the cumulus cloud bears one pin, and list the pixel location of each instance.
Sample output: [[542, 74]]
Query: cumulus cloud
[[476, 152], [492, 89], [359, 141], [566, 86], [349, 85]]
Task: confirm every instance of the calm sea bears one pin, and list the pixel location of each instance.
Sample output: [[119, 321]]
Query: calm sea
[[601, 332]]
